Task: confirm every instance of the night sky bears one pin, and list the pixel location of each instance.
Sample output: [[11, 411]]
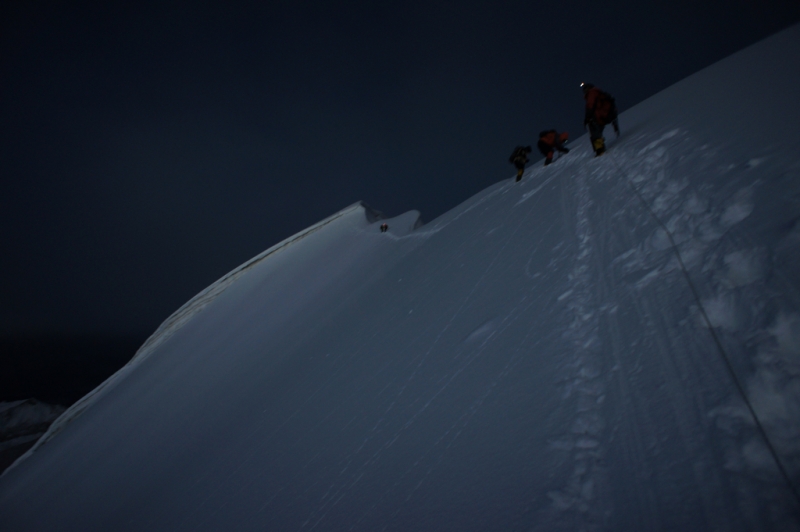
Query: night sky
[[147, 150]]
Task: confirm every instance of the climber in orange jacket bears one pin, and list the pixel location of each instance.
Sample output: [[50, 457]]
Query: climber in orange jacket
[[601, 110], [549, 142]]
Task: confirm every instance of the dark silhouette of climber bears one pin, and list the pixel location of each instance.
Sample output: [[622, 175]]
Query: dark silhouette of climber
[[601, 110], [518, 158]]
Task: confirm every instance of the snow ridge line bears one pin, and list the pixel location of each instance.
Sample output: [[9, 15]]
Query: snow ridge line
[[173, 323], [723, 354], [202, 299]]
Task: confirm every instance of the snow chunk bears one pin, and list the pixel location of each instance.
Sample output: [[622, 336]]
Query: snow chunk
[[721, 311], [736, 213], [709, 231], [483, 331], [665, 136], [740, 208], [660, 240], [775, 388], [759, 460], [695, 205], [745, 267]]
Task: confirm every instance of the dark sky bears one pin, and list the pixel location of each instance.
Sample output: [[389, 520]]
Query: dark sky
[[146, 150]]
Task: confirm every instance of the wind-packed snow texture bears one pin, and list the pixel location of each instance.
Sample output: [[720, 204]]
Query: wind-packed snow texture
[[534, 359]]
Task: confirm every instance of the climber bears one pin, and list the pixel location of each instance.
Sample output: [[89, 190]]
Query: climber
[[519, 158], [601, 110], [550, 141]]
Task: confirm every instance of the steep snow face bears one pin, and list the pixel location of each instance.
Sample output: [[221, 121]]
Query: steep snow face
[[534, 359]]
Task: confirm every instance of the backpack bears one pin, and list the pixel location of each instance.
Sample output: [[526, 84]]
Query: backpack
[[605, 108], [519, 151]]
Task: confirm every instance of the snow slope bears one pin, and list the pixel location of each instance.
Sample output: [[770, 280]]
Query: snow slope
[[534, 359]]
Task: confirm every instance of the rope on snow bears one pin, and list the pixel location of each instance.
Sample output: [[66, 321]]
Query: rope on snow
[[723, 354]]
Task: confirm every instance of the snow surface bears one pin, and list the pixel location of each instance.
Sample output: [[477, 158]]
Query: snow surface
[[534, 359]]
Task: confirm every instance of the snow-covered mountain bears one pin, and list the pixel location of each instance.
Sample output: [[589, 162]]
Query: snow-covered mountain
[[571, 352], [21, 424]]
